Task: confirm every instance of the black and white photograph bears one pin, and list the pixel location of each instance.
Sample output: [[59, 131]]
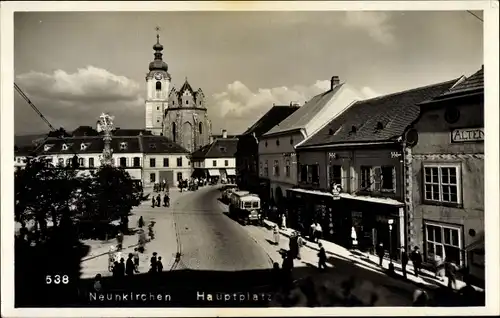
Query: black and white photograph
[[212, 155]]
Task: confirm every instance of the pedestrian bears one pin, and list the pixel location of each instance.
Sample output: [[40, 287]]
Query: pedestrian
[[165, 200], [300, 242], [141, 240], [287, 268], [136, 260], [122, 267], [293, 245], [276, 275], [404, 261], [152, 269], [312, 234], [380, 253], [276, 235], [159, 265], [140, 223], [450, 272], [116, 269], [416, 259], [119, 241], [158, 200], [283, 220], [129, 266], [321, 257], [153, 202], [319, 232]]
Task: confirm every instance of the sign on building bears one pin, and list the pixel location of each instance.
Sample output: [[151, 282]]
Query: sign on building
[[336, 189], [467, 134]]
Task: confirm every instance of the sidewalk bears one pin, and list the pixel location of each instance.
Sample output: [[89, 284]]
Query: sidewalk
[[165, 242], [371, 262]]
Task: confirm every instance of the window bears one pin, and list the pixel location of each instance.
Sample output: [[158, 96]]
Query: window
[[91, 162], [18, 159], [152, 177], [276, 168], [157, 107], [200, 128], [335, 175], [83, 146], [123, 146], [187, 102], [226, 163], [166, 162], [388, 182], [152, 162], [261, 167], [291, 140], [313, 174], [214, 163], [277, 142], [123, 162], [81, 162], [61, 162], [179, 176], [158, 119], [441, 183], [266, 169], [443, 240], [158, 86], [137, 162], [174, 132], [152, 146], [303, 173], [179, 162], [287, 167], [222, 149], [64, 147], [365, 179]]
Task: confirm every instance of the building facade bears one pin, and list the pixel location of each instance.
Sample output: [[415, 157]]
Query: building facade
[[447, 176], [277, 157], [216, 161], [247, 153], [351, 172]]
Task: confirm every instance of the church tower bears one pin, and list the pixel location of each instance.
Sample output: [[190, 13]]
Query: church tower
[[157, 87]]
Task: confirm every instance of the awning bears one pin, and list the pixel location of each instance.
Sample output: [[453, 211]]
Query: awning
[[350, 196], [213, 172], [231, 172]]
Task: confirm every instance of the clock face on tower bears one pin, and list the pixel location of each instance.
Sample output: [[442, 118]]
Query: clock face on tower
[[158, 76]]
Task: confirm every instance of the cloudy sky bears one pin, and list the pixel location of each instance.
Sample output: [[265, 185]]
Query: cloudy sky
[[74, 66]]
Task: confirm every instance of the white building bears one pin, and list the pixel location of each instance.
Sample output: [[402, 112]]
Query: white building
[[277, 157], [216, 160]]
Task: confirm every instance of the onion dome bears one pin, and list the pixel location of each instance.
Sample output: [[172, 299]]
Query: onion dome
[[158, 63]]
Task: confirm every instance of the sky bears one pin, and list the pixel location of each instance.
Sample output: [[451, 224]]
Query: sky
[[76, 65]]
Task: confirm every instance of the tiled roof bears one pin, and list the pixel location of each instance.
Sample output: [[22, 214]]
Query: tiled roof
[[24, 150], [85, 131], [131, 132], [391, 114], [468, 85], [220, 148], [28, 140], [95, 144], [161, 144], [306, 113], [270, 119]]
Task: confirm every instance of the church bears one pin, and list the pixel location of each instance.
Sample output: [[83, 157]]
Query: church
[[180, 115]]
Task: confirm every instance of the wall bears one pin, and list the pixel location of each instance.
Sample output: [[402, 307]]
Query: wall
[[208, 163], [185, 169], [435, 146]]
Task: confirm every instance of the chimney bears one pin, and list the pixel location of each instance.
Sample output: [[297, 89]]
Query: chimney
[[335, 81], [224, 133]]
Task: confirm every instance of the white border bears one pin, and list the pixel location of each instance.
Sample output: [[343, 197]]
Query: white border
[[492, 223]]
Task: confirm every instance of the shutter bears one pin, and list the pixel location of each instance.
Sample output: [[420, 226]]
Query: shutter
[[377, 184]]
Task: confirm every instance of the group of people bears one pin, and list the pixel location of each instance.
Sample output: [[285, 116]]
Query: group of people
[[192, 184], [156, 266], [156, 200], [162, 186]]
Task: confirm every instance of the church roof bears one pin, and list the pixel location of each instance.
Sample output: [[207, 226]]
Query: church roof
[[186, 87]]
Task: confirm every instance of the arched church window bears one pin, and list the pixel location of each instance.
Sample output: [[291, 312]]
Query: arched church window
[[174, 132], [200, 128], [187, 102], [158, 86]]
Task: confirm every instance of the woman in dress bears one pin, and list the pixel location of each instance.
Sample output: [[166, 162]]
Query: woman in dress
[[276, 235]]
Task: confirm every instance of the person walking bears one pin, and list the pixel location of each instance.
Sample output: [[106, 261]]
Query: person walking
[[153, 264], [153, 201], [140, 223], [283, 220], [129, 266], [136, 260], [312, 234], [159, 265], [321, 257], [300, 242], [380, 253], [119, 241], [165, 200], [276, 235], [416, 259], [158, 200], [319, 232], [404, 261], [293, 245], [122, 267]]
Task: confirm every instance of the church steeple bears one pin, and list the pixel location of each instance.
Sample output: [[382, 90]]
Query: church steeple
[[158, 63]]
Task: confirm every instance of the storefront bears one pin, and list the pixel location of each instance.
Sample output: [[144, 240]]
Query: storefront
[[369, 216]]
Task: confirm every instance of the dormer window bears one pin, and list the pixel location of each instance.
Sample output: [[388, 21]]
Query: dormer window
[[152, 146], [123, 146], [379, 126], [222, 149], [83, 146], [353, 129], [47, 147], [64, 147]]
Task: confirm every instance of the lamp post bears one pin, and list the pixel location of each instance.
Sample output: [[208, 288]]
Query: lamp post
[[391, 265]]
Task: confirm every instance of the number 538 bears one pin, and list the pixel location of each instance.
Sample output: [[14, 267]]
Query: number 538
[[56, 279]]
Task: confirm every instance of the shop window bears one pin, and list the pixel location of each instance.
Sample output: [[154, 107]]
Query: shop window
[[442, 183], [266, 169], [166, 162], [123, 162], [152, 177], [365, 177], [444, 241], [152, 162], [91, 162], [137, 162], [388, 181], [179, 162], [226, 163], [287, 167], [335, 175], [276, 168]]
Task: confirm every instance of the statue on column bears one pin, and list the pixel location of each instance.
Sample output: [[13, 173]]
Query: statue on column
[[105, 125]]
